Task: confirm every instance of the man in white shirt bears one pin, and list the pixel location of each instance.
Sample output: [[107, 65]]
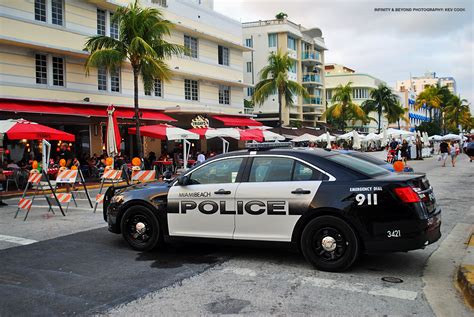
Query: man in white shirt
[[201, 157]]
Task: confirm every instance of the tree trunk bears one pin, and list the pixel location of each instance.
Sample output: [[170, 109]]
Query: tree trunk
[[139, 146], [280, 123], [379, 112]]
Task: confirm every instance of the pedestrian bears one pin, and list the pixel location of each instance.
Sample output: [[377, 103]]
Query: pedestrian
[[404, 151], [3, 179], [419, 148], [454, 151], [201, 158], [66, 154], [444, 151]]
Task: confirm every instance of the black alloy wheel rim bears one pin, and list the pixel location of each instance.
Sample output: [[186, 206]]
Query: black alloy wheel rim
[[139, 237], [340, 241]]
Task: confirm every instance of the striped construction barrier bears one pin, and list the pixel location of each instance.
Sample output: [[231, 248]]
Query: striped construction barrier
[[66, 176], [34, 178], [63, 197], [99, 198], [143, 176], [112, 174], [25, 203]]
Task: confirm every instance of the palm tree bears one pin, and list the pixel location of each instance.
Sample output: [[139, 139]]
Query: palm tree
[[382, 99], [431, 97], [397, 113], [343, 108], [456, 111], [141, 42], [274, 78]]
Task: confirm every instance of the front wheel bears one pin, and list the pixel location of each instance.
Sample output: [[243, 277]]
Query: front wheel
[[140, 228], [330, 244]]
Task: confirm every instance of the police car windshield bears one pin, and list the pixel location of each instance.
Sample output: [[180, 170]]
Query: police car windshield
[[358, 165]]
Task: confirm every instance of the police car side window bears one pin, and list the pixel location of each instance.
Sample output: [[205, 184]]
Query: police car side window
[[271, 169], [218, 172], [303, 172]]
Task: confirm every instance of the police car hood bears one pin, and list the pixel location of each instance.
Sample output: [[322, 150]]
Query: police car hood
[[144, 189]]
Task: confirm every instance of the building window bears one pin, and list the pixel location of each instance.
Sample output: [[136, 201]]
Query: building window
[[250, 91], [272, 40], [114, 28], [101, 22], [57, 12], [115, 80], [291, 43], [223, 55], [293, 67], [249, 42], [102, 78], [160, 3], [249, 67], [328, 94], [191, 45], [359, 93], [41, 69], [191, 89], [58, 71], [40, 10], [224, 95], [158, 88]]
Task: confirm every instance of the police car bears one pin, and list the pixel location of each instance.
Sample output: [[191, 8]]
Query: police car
[[330, 205]]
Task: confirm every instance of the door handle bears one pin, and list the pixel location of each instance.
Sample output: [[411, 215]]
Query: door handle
[[222, 192], [301, 191]]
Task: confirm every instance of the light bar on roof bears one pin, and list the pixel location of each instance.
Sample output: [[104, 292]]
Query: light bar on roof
[[267, 145]]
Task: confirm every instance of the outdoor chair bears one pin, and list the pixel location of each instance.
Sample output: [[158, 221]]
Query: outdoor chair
[[15, 178]]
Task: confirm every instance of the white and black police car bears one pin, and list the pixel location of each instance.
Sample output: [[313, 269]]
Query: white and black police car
[[330, 205]]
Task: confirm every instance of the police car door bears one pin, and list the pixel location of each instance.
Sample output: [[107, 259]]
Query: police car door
[[206, 207], [278, 191]]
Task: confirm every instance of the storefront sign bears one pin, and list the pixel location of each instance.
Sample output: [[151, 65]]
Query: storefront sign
[[199, 122]]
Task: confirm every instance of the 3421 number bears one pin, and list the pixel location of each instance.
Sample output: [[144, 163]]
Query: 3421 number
[[370, 199]]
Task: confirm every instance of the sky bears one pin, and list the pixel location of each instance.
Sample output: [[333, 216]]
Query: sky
[[386, 44]]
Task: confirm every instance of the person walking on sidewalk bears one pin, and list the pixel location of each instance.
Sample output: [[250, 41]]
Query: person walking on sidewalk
[[454, 151], [444, 151]]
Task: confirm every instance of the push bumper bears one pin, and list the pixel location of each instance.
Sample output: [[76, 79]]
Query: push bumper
[[428, 232]]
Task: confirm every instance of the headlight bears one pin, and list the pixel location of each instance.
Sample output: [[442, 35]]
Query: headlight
[[117, 199]]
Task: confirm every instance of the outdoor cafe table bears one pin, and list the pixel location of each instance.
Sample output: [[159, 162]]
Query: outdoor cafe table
[[162, 164]]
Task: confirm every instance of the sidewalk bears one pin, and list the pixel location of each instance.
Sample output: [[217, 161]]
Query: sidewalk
[[465, 274]]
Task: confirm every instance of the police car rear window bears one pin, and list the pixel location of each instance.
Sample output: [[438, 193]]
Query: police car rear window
[[358, 165]]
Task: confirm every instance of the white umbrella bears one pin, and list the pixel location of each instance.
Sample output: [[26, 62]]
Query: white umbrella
[[384, 137], [372, 137], [356, 142], [306, 138], [113, 138], [328, 140], [435, 138], [451, 136], [346, 136], [396, 133], [425, 138]]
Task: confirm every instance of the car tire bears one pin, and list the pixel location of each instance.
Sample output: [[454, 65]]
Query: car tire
[[330, 244], [144, 236]]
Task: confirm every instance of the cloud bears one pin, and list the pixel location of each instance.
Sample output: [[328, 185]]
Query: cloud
[[389, 45]]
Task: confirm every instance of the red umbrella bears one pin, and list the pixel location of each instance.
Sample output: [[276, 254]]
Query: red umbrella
[[21, 129]]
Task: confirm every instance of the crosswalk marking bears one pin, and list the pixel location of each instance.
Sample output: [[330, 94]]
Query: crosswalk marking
[[16, 240]]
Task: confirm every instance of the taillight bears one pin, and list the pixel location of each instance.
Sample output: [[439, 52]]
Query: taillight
[[407, 194]]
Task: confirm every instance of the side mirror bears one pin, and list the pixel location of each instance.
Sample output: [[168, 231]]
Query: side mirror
[[183, 180]]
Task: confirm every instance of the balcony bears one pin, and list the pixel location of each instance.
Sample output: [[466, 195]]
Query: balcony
[[313, 100], [311, 57], [312, 80]]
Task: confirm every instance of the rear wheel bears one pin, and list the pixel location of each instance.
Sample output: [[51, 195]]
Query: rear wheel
[[140, 228], [329, 243]]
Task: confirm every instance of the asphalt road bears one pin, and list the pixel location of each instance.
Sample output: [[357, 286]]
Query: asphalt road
[[94, 272]]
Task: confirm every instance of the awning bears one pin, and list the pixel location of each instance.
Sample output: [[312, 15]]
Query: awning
[[81, 110], [236, 121]]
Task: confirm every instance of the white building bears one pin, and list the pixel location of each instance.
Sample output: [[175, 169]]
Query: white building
[[306, 47], [336, 75]]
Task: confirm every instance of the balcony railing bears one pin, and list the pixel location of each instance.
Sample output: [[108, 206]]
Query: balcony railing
[[311, 55], [311, 78], [313, 100]]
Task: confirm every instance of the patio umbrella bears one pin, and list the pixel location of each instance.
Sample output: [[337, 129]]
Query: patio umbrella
[[346, 136], [328, 140], [384, 136], [356, 141], [267, 135], [451, 136], [305, 138], [395, 132], [372, 137], [210, 133], [17, 129], [435, 138], [169, 132], [425, 138], [113, 133]]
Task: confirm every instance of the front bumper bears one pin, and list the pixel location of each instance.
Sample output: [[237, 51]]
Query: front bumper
[[414, 235]]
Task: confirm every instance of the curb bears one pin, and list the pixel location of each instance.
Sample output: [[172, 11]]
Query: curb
[[465, 274]]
